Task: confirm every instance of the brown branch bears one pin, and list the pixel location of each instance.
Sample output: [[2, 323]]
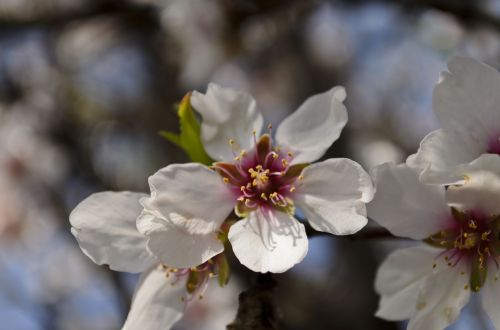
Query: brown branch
[[257, 309]]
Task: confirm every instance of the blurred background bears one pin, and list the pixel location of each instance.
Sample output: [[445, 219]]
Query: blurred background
[[85, 86]]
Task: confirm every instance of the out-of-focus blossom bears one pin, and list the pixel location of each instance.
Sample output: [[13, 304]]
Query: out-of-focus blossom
[[261, 180], [430, 283], [466, 101], [197, 26]]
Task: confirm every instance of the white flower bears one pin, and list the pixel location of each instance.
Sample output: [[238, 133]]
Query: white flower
[[431, 282], [467, 102], [105, 226], [261, 179]]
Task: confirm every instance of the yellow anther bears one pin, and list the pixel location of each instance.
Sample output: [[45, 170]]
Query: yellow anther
[[275, 155], [263, 196], [466, 235], [290, 154], [273, 195], [243, 153], [484, 236], [466, 287], [242, 188], [284, 162], [270, 126], [241, 198], [292, 189], [259, 176], [254, 132], [231, 142], [472, 224], [237, 158], [301, 177], [226, 180], [434, 265]]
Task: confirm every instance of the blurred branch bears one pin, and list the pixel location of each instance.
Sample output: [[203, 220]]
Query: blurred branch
[[468, 12], [256, 306], [56, 18], [365, 233]]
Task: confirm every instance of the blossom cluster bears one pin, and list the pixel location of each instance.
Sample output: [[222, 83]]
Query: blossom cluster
[[248, 185]]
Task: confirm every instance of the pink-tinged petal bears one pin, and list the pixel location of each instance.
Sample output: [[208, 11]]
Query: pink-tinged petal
[[104, 225], [490, 295], [441, 298], [226, 114], [332, 195], [175, 247], [314, 126], [480, 188], [157, 302], [466, 99], [404, 205], [399, 279], [268, 241], [191, 196], [440, 153]]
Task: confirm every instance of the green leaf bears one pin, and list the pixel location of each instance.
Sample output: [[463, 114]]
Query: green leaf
[[189, 137]]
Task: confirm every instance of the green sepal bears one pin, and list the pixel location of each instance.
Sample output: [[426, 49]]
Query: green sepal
[[189, 138], [478, 273], [444, 239], [224, 270]]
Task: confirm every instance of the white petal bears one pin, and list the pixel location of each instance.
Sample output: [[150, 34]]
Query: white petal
[[467, 97], [399, 279], [104, 225], [268, 241], [490, 294], [175, 247], [481, 188], [404, 205], [314, 126], [333, 194], [226, 114], [440, 153], [191, 196], [157, 302], [442, 296]]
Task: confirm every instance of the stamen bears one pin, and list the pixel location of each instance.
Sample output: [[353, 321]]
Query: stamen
[[292, 189], [226, 180]]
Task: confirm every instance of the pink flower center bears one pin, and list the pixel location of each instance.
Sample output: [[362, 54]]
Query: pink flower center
[[472, 237], [261, 177], [494, 145]]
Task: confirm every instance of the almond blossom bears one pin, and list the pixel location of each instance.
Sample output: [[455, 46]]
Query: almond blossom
[[263, 179], [466, 101], [459, 252], [105, 226]]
